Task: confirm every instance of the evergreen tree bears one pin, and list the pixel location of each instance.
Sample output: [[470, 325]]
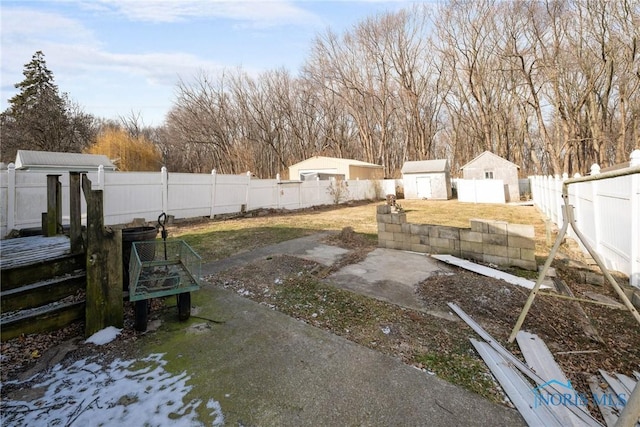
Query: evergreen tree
[[40, 118]]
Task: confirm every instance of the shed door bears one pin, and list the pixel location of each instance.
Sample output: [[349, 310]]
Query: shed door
[[423, 187]]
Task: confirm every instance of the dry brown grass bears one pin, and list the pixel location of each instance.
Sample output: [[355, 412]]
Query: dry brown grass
[[215, 239]]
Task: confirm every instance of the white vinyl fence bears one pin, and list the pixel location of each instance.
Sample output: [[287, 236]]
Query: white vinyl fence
[[129, 195], [607, 213], [481, 190]]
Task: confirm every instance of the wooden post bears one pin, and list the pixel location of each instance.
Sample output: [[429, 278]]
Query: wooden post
[[52, 206], [104, 267], [59, 229], [11, 197], [75, 213]]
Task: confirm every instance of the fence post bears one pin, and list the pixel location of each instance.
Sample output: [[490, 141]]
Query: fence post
[[556, 198], [11, 197], [546, 185], [634, 256], [532, 185], [246, 197], [595, 170], [213, 193], [53, 223], [104, 305], [164, 181], [100, 184], [277, 191], [75, 213]]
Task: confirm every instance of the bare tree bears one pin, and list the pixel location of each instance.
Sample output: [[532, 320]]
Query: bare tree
[[552, 85]]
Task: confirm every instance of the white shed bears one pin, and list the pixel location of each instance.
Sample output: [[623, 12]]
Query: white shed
[[329, 167], [427, 179]]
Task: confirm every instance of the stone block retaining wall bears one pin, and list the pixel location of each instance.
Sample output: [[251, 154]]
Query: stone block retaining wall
[[488, 241]]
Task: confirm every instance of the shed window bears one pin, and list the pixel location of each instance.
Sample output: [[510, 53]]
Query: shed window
[[488, 174]]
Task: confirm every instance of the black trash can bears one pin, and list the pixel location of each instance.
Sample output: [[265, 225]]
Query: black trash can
[[136, 234]]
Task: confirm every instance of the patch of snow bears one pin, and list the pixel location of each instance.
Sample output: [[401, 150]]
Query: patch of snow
[[104, 336], [125, 392], [386, 330], [278, 281]]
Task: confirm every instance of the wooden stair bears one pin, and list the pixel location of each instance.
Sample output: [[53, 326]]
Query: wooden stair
[[42, 285]]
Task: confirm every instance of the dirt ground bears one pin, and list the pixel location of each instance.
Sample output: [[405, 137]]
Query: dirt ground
[[295, 286]]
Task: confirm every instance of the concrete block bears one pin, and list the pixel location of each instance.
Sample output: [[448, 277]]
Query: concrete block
[[395, 245], [437, 250], [592, 278], [513, 252], [402, 237], [449, 233], [468, 255], [381, 226], [524, 264], [494, 239], [495, 259], [438, 242], [495, 250], [383, 209], [398, 218], [551, 272], [478, 225], [416, 247], [393, 228], [473, 257], [470, 236], [528, 255], [406, 228], [415, 239], [385, 235], [383, 218], [421, 229], [521, 242], [521, 230], [389, 244], [474, 247], [497, 227]]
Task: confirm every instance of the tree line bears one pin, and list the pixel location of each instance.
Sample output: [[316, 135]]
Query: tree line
[[553, 86]]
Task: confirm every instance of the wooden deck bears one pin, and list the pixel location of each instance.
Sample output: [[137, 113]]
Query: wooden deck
[[25, 251]]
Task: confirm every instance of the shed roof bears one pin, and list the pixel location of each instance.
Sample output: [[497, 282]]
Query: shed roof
[[489, 154], [41, 160], [425, 166], [348, 162]]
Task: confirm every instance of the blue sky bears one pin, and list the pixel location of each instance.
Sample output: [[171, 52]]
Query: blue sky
[[118, 57]]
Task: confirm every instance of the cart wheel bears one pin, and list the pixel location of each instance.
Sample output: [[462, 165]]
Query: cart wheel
[[184, 305], [142, 310]]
